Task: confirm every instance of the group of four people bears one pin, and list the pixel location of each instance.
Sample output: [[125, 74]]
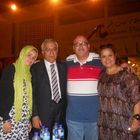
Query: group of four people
[[85, 90]]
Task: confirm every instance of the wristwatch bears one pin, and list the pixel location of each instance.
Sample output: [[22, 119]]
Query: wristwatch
[[137, 117]]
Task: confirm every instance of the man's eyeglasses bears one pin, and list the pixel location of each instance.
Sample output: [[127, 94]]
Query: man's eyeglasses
[[76, 45]]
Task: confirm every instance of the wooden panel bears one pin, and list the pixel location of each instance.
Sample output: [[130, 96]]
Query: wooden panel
[[35, 32], [81, 12], [124, 8]]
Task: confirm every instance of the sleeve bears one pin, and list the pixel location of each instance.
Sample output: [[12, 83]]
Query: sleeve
[[65, 86], [6, 92], [133, 86], [34, 109]]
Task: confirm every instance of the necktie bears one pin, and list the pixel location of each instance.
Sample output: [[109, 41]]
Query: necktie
[[54, 82]]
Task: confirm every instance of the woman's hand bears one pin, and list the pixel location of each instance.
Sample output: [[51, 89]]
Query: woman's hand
[[30, 127], [7, 126], [36, 122], [135, 125]]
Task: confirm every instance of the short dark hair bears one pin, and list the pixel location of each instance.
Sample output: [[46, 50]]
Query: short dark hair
[[107, 46]]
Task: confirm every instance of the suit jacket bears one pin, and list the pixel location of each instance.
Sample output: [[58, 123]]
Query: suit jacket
[[43, 105]]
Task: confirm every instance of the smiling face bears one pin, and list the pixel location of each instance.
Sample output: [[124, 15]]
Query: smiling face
[[50, 51], [108, 57], [81, 47], [30, 57]]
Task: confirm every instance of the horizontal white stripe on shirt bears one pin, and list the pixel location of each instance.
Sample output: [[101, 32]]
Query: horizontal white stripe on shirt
[[81, 87]]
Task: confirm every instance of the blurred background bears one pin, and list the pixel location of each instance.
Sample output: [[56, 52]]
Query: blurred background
[[25, 22]]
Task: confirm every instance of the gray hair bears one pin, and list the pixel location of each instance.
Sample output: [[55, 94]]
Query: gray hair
[[46, 41]]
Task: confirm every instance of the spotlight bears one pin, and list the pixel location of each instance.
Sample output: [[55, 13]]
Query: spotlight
[[13, 7]]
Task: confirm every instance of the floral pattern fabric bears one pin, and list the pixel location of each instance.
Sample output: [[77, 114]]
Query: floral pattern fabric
[[118, 93], [20, 130]]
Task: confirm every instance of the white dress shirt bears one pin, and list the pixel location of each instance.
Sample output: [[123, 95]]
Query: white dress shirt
[[47, 64]]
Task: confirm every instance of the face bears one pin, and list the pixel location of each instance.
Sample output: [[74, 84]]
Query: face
[[50, 52], [81, 46], [124, 65], [108, 57], [30, 57]]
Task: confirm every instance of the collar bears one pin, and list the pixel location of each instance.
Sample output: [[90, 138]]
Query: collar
[[47, 63], [89, 58]]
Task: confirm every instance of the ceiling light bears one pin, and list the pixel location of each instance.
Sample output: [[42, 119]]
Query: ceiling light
[[13, 7], [55, 1]]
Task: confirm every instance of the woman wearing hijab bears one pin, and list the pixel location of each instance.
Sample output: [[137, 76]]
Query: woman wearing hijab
[[16, 96]]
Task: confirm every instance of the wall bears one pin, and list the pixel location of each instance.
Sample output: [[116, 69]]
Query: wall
[[5, 40], [123, 30]]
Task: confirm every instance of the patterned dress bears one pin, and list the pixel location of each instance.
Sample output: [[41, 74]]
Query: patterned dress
[[118, 93], [20, 130]]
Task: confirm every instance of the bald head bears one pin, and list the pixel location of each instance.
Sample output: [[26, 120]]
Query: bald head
[[81, 47]]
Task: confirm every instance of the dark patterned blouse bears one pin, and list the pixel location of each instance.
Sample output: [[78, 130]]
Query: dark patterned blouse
[[118, 93]]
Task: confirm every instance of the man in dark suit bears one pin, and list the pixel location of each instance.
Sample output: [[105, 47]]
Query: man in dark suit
[[48, 107]]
